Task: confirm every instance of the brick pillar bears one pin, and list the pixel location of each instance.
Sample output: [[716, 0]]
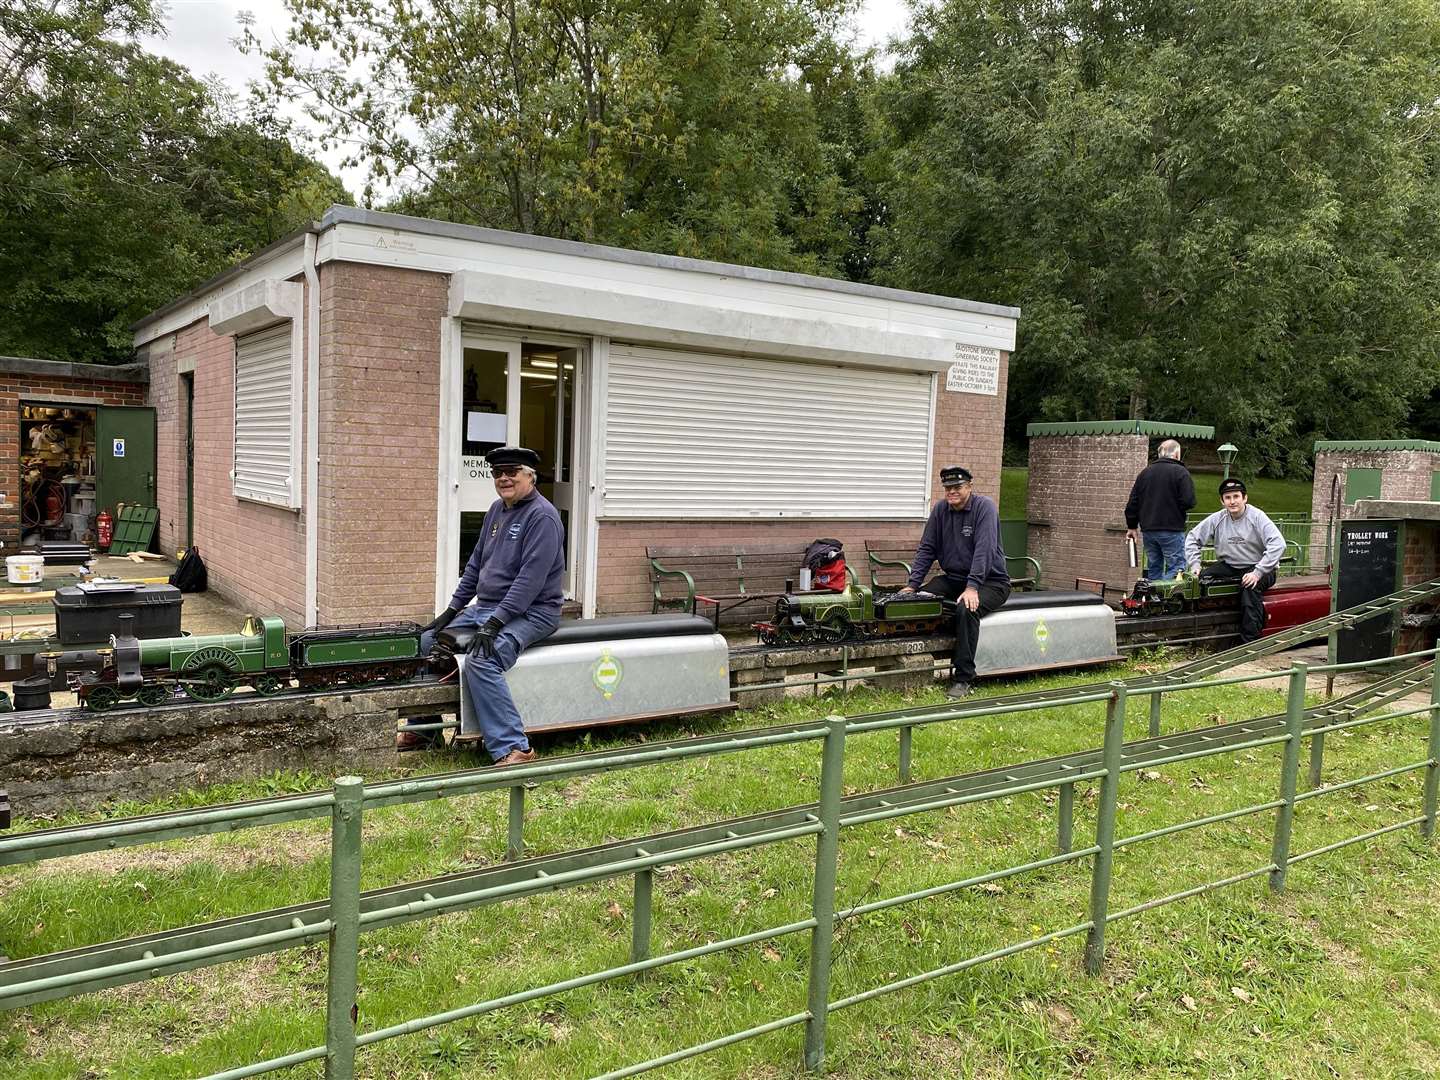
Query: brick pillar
[[1406, 475], [1076, 505]]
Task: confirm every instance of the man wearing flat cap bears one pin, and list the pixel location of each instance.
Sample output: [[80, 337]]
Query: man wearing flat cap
[[963, 536], [509, 596], [1248, 548]]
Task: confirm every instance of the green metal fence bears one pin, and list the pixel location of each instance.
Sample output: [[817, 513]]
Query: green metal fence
[[347, 914]]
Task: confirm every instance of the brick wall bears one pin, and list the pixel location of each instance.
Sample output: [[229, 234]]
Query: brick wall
[[254, 553], [1404, 475], [624, 582], [379, 439], [970, 431], [1079, 485], [19, 384]]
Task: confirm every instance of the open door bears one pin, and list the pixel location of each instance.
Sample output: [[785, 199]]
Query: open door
[[124, 456]]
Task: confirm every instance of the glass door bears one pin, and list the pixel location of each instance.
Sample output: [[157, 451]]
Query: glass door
[[521, 393]]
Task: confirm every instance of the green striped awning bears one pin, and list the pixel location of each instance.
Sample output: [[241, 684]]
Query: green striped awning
[[1157, 429], [1377, 444]]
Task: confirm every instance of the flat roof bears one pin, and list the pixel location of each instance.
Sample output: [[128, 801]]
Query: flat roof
[[1157, 429], [61, 369], [340, 215], [1377, 444]]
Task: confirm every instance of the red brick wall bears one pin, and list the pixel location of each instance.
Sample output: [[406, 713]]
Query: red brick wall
[[379, 438], [1405, 475], [255, 553], [624, 582], [1079, 485], [16, 387], [970, 431]]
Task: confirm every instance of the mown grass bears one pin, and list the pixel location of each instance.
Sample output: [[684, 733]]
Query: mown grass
[[1332, 978], [1272, 496]]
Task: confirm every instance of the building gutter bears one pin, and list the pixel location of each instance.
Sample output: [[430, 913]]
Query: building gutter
[[312, 431]]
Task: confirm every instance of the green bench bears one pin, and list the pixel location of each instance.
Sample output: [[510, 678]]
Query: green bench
[[886, 555]]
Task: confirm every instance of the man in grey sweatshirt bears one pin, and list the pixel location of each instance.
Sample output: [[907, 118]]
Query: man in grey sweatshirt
[[1248, 548]]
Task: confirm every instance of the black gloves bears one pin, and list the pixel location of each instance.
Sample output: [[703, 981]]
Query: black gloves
[[441, 621], [484, 641]]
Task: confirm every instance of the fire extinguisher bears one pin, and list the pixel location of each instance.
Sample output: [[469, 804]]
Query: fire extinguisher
[[104, 529]]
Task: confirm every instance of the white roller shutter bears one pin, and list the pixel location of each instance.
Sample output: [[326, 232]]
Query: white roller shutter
[[695, 435], [264, 416]]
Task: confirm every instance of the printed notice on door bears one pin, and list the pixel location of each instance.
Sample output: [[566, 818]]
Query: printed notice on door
[[976, 370]]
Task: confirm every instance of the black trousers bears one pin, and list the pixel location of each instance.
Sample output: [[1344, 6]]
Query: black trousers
[[1252, 601], [967, 622]]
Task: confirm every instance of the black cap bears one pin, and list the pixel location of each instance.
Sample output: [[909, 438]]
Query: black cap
[[1232, 484], [513, 455], [954, 474]]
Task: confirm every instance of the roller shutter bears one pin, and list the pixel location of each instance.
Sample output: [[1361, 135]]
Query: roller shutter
[[696, 435], [264, 416]]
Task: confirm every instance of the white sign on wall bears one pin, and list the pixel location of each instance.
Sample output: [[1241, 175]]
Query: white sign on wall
[[976, 370]]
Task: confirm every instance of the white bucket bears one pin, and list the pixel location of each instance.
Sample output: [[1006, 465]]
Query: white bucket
[[25, 569]]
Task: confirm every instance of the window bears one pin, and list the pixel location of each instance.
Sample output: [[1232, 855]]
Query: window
[[267, 425]]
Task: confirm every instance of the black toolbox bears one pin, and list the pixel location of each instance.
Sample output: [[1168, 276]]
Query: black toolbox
[[88, 614]]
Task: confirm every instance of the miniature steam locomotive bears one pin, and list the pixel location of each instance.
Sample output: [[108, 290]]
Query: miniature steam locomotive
[[1185, 592], [828, 618], [262, 656]]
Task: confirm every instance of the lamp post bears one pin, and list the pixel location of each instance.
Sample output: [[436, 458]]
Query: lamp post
[[1228, 453]]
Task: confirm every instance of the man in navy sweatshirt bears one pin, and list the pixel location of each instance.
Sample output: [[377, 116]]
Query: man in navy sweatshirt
[[515, 578], [963, 536]]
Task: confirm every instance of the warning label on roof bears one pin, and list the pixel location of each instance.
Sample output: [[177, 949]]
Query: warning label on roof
[[976, 370]]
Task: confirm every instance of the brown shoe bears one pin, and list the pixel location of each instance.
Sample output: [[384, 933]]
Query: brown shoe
[[416, 740], [516, 757]]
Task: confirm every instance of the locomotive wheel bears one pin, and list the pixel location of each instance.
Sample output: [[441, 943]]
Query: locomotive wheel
[[1175, 604], [102, 697], [269, 685], [155, 694], [833, 629], [210, 683]]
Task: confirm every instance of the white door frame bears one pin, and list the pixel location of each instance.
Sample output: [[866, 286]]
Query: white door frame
[[456, 336]]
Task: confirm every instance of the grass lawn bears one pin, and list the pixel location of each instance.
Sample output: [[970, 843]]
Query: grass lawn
[[1334, 978], [1272, 496]]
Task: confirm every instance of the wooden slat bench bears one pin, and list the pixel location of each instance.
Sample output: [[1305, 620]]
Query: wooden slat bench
[[726, 576], [891, 556]]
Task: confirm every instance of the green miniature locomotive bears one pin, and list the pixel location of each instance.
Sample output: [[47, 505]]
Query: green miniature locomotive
[[827, 618], [262, 656]]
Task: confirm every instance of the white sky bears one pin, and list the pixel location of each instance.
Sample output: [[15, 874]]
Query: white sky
[[202, 34]]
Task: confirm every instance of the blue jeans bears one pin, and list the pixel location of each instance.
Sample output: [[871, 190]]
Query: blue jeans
[[1164, 554], [484, 682]]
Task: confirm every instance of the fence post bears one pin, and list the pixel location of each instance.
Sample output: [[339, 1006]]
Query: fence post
[[1065, 837], [341, 1010], [640, 928], [1289, 775], [1105, 829], [827, 851], [1155, 696], [1317, 758], [907, 737], [515, 830], [1432, 771]]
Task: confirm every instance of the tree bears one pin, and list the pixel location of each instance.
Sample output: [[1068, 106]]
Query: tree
[[684, 126], [123, 180], [1216, 213]]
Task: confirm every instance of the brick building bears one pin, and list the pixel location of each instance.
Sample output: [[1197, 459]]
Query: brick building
[[78, 402], [1348, 471], [671, 400], [1080, 479]]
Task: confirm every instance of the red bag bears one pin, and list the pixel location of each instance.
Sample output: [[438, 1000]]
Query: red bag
[[830, 576]]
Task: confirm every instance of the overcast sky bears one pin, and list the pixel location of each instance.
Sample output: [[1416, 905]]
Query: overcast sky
[[202, 33]]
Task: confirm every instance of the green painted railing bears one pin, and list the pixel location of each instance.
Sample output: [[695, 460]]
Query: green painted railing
[[348, 913]]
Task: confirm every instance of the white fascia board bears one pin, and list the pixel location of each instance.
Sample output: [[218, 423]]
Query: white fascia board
[[281, 265], [256, 305], [666, 305]]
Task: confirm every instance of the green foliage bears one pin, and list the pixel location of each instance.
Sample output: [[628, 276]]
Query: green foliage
[[684, 126], [123, 180], [1218, 213]]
